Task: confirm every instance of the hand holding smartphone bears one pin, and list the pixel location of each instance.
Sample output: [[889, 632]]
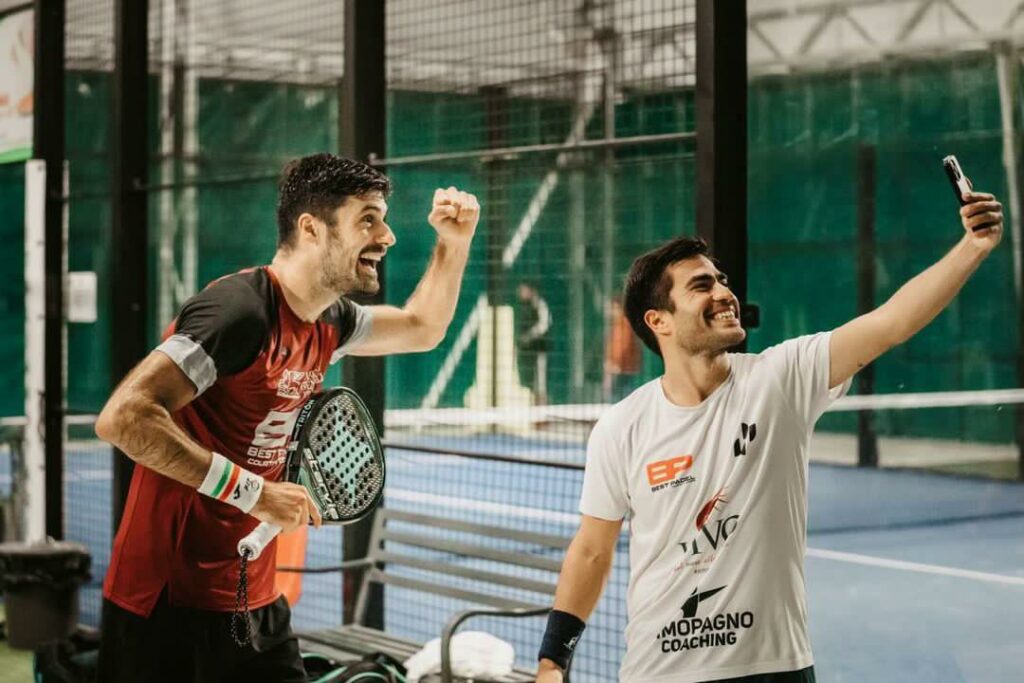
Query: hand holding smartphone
[[962, 186]]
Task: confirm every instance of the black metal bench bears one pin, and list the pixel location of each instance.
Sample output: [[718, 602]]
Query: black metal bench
[[394, 529]]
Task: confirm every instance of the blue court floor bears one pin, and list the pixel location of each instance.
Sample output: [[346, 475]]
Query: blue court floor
[[910, 576]]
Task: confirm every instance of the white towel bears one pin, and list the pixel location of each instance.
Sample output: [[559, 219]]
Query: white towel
[[474, 654]]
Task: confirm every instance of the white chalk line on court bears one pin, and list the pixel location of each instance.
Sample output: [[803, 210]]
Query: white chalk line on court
[[903, 565], [451, 502]]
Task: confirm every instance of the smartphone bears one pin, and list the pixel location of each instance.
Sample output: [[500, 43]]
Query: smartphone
[[961, 183]]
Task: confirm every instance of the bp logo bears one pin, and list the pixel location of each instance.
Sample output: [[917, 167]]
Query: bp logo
[[670, 473]]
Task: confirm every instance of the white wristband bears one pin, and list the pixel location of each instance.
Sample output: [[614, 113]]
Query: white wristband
[[231, 484]]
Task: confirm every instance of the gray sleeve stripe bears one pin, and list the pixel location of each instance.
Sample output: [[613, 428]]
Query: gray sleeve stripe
[[361, 330], [192, 359]]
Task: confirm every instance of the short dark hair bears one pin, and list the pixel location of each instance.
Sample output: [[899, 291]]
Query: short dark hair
[[648, 284], [318, 184]]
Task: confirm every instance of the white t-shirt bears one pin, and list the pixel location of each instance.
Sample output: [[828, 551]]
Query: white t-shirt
[[716, 495]]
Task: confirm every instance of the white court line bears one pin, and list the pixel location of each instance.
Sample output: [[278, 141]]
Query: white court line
[[482, 506], [914, 567]]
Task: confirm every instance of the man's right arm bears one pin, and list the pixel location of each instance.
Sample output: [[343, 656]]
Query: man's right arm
[[137, 420], [588, 561]]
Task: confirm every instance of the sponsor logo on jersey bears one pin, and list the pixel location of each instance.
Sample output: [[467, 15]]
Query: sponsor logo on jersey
[[748, 432], [669, 473], [269, 444], [299, 384], [691, 631], [712, 533]]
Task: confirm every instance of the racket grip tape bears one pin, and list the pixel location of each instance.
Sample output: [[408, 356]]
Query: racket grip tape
[[258, 539]]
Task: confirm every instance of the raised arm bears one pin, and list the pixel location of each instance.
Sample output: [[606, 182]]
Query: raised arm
[[917, 302], [588, 561], [421, 324]]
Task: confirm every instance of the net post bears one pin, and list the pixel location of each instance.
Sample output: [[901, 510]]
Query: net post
[[48, 143], [867, 439], [362, 133], [130, 225], [495, 100], [1007, 70], [721, 34]]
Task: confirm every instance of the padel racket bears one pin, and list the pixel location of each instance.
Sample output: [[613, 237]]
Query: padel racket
[[335, 453]]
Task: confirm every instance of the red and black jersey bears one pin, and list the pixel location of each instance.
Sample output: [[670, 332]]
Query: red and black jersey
[[254, 363]]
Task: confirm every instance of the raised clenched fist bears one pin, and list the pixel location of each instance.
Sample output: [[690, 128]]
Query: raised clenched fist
[[454, 215]]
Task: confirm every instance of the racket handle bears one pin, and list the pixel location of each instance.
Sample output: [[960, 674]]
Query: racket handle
[[258, 539]]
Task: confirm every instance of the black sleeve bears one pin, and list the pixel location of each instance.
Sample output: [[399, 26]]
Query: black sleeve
[[352, 321], [219, 331]]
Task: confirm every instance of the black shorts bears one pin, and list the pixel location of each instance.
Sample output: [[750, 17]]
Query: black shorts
[[189, 645], [801, 676]]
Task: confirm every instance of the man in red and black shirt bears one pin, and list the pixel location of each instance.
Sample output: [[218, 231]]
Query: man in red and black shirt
[[217, 400]]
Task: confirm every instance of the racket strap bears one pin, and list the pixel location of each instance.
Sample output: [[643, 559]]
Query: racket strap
[[241, 623], [231, 484]]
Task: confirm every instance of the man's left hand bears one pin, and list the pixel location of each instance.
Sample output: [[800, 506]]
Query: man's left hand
[[454, 215], [982, 209]]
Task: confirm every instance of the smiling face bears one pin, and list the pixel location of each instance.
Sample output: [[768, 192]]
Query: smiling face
[[706, 314], [351, 250]]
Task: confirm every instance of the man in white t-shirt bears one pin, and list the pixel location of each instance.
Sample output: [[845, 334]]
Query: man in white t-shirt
[[709, 463]]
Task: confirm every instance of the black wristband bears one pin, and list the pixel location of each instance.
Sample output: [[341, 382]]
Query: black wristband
[[560, 638]]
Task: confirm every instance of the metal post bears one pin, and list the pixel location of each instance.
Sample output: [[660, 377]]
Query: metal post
[[33, 484], [722, 135], [867, 440], [178, 152], [496, 205], [129, 341], [576, 239], [169, 115], [48, 145], [610, 49], [1007, 70], [362, 132]]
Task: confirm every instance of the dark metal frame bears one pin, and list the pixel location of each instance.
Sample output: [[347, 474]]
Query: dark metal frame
[[494, 152], [48, 144], [129, 342], [722, 135], [496, 175], [867, 439], [362, 132]]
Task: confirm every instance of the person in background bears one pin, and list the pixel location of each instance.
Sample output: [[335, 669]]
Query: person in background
[[532, 341], [622, 355]]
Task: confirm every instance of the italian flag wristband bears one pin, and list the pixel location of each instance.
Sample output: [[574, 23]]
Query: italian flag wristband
[[231, 484]]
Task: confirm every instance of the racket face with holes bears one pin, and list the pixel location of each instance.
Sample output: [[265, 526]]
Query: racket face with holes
[[337, 456]]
